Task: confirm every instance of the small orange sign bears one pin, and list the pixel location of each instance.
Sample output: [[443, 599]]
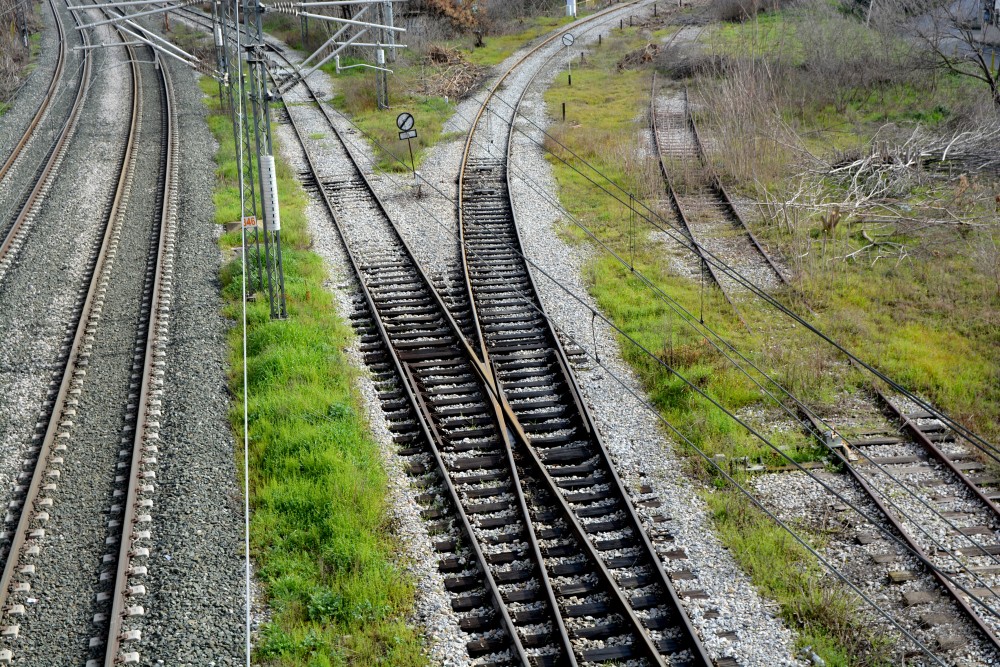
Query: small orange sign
[[250, 221]]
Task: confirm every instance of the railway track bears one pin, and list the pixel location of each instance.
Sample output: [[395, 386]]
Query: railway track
[[701, 202], [530, 586], [917, 474], [517, 343], [25, 204], [118, 578], [534, 583]]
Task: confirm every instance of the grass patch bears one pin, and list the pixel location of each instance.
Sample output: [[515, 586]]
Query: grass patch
[[496, 48], [319, 530], [606, 112], [356, 97], [825, 615]]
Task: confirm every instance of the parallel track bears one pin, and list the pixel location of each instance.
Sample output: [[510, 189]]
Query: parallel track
[[25, 534], [15, 232], [541, 398]]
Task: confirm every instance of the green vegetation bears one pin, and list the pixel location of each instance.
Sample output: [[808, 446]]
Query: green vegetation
[[826, 617], [319, 530], [356, 97], [909, 278], [606, 111], [496, 48]]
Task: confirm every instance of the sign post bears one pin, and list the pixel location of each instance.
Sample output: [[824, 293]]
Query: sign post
[[404, 122], [567, 41]]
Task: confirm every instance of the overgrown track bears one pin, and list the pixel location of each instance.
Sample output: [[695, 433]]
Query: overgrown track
[[702, 203], [129, 538], [542, 402], [15, 229]]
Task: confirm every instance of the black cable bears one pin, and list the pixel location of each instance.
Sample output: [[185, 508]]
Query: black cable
[[530, 303], [909, 491]]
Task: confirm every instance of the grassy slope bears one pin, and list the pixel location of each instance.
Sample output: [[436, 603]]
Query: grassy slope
[[602, 126], [319, 531]]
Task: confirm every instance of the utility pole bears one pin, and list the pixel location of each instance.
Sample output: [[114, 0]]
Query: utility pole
[[250, 104], [21, 21]]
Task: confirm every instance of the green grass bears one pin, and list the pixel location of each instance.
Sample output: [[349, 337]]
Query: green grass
[[496, 48], [770, 33], [320, 533], [824, 615], [356, 98], [930, 320], [605, 113]]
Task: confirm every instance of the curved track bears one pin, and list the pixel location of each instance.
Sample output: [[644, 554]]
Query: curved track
[[24, 537], [533, 583], [530, 370]]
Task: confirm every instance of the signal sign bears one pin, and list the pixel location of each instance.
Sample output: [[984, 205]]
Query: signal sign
[[404, 121]]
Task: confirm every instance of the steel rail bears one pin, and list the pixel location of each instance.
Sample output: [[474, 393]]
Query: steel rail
[[475, 121], [722, 193], [915, 548], [928, 445], [168, 209], [697, 649], [606, 581], [675, 203], [54, 159], [32, 507], [421, 409], [49, 93]]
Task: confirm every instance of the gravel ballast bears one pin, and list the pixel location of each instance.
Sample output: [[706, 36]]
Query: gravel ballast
[[194, 600], [58, 624], [195, 606], [429, 224]]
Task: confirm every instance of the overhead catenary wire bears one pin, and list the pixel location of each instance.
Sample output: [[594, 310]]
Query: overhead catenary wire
[[918, 524], [238, 111], [836, 494]]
